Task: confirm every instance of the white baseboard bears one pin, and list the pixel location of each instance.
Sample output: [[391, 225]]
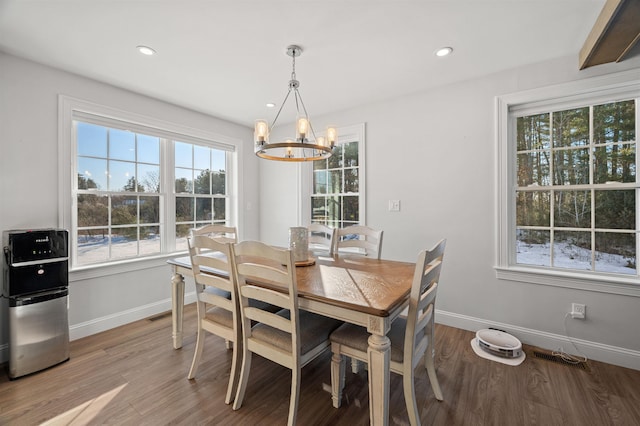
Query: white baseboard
[[597, 351], [600, 352], [97, 325]]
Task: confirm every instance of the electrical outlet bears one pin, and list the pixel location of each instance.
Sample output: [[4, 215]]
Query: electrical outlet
[[394, 205], [578, 310]]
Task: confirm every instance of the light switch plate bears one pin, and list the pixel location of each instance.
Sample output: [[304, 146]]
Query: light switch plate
[[394, 205]]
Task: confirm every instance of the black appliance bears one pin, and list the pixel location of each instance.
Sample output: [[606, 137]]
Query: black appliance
[[36, 282]]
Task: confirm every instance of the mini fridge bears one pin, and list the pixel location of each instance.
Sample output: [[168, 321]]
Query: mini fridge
[[37, 285]]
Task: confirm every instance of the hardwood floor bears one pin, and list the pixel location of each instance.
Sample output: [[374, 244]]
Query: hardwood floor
[[133, 376]]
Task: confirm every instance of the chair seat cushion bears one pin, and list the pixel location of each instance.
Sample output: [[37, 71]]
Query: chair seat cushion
[[314, 329], [220, 316], [357, 337]]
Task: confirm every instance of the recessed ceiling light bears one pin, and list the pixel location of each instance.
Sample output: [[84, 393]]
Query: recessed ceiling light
[[270, 105], [444, 51], [146, 50]]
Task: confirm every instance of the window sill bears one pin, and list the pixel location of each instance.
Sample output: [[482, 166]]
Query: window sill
[[576, 280], [130, 265]]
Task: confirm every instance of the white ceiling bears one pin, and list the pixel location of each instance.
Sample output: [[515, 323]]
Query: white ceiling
[[227, 57]]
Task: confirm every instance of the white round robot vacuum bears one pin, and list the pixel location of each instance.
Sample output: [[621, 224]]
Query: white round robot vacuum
[[499, 343], [498, 346]]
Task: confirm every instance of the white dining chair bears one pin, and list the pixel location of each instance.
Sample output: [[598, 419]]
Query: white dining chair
[[223, 233], [358, 239], [412, 338], [290, 337], [365, 240], [216, 301], [321, 238]]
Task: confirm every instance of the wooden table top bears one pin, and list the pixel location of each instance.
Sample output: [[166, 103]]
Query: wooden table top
[[357, 282], [372, 286]]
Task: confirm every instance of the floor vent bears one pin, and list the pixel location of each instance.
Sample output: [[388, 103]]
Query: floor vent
[[159, 317], [557, 358]]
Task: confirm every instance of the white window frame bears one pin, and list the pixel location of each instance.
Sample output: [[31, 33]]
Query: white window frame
[[70, 109], [346, 134], [618, 86]]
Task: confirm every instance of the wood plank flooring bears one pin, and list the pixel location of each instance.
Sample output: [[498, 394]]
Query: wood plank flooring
[[132, 376]]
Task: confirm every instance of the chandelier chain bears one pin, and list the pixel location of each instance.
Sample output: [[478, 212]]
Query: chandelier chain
[[293, 68]]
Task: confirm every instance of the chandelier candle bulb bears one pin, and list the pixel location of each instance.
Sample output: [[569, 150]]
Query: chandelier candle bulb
[[302, 127], [332, 136], [261, 131]]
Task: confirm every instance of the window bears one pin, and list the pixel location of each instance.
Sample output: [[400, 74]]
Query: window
[[200, 188], [337, 195], [569, 187], [137, 190], [575, 195], [118, 194]]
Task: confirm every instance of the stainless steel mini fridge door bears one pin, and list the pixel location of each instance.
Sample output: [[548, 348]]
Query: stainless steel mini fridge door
[[38, 332]]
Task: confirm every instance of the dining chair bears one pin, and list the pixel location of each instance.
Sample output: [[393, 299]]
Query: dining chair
[[216, 301], [412, 338], [223, 233], [321, 238], [366, 239], [290, 337]]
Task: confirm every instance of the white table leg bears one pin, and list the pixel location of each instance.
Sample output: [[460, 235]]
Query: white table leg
[[177, 308], [379, 354]]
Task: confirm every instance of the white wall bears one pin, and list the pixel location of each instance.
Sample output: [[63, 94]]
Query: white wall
[[29, 185], [435, 151]]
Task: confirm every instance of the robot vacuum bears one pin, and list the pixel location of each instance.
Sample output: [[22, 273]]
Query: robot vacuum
[[499, 343]]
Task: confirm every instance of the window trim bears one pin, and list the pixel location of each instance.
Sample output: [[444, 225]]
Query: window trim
[[70, 109], [623, 85], [346, 134]]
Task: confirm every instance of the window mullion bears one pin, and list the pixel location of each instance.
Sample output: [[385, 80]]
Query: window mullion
[[167, 195]]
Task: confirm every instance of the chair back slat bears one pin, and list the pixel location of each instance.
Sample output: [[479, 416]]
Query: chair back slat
[[322, 237], [368, 239], [425, 312], [265, 272], [270, 296], [222, 233], [268, 318]]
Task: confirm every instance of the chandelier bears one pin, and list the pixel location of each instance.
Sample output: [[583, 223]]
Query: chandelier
[[306, 146]]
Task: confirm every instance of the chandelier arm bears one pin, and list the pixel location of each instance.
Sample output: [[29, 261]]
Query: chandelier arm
[[273, 124], [297, 95]]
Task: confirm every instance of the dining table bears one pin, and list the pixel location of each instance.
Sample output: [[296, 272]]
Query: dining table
[[348, 287]]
